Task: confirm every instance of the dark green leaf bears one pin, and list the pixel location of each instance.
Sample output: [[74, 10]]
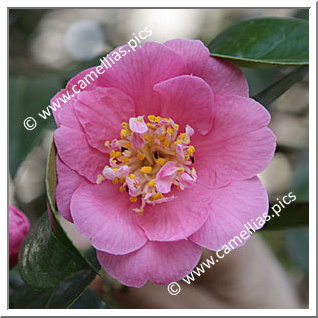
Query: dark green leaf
[[264, 42], [293, 215], [28, 96], [47, 256], [23, 297], [88, 300], [271, 93]]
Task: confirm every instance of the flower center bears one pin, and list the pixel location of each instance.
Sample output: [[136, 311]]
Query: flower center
[[149, 159]]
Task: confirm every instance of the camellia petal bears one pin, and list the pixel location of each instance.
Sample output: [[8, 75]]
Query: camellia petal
[[158, 262]]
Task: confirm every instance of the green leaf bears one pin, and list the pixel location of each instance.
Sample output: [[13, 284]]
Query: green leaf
[[63, 296], [293, 215], [88, 300], [28, 96], [264, 42], [271, 93], [47, 256]]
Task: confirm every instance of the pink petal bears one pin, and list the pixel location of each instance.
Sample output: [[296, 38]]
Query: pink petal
[[165, 177], [77, 154], [18, 227], [233, 206], [68, 182], [136, 73], [158, 262], [104, 214], [101, 112], [138, 125], [224, 77], [68, 118], [85, 78], [239, 145], [187, 100], [179, 218]]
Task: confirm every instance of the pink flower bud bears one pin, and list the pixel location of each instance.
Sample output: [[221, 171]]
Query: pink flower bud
[[18, 228]]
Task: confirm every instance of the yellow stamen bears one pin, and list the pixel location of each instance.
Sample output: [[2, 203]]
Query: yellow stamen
[[147, 137], [124, 125], [166, 143], [141, 156], [107, 144], [160, 161], [180, 170], [133, 199], [123, 133], [152, 118], [124, 159], [152, 183], [158, 196], [115, 181], [112, 153], [170, 130], [132, 176], [121, 189], [121, 179], [146, 169]]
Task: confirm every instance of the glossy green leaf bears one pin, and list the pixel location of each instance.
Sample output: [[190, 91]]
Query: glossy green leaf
[[271, 93], [63, 296], [264, 42], [47, 256], [293, 215]]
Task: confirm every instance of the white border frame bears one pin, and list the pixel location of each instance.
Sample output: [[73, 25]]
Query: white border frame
[[312, 159]]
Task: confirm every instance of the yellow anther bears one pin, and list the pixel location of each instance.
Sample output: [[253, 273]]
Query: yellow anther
[[176, 126], [178, 142], [191, 150], [124, 159], [182, 135], [149, 124], [166, 143], [132, 176], [141, 211], [123, 133], [133, 199], [180, 170], [115, 181], [146, 169], [115, 169], [166, 119], [121, 179], [160, 161], [128, 145], [157, 119], [147, 137], [158, 196], [152, 183], [161, 138], [179, 187], [170, 130], [152, 118], [107, 144], [124, 125], [141, 156], [117, 154], [121, 189], [112, 153]]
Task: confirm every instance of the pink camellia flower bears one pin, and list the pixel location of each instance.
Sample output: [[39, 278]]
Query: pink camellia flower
[[18, 228], [158, 158]]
